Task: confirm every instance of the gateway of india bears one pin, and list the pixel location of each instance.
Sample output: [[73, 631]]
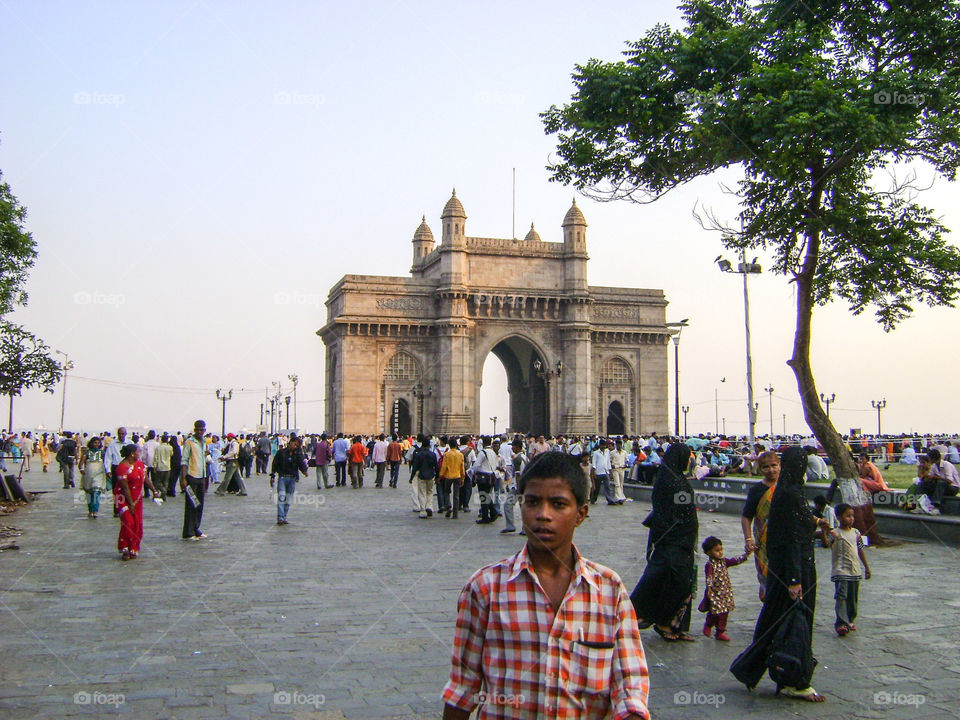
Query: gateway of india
[[406, 354]]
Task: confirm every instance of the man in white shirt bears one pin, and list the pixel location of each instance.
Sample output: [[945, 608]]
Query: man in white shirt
[[600, 462], [817, 470], [618, 464], [231, 461], [379, 456]]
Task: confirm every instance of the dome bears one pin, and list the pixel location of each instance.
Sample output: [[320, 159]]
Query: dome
[[423, 232], [574, 216], [533, 234], [453, 208]]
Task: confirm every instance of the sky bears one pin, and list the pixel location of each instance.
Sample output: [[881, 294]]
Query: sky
[[199, 174]]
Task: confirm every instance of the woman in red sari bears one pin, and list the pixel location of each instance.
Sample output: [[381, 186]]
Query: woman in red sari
[[128, 496]]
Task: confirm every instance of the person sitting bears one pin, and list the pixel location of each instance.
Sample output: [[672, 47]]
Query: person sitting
[[817, 470], [909, 455], [945, 475], [870, 476]]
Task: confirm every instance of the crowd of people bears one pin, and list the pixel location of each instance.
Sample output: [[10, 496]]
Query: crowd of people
[[553, 482]]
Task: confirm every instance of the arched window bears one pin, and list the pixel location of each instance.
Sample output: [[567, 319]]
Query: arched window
[[616, 372], [401, 368]]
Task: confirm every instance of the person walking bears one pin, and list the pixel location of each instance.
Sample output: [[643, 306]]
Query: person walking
[[45, 452], [174, 479], [791, 579], [194, 482], [662, 597], [849, 566], [452, 474], [162, 456], [93, 477], [287, 463], [394, 459], [484, 468], [128, 496], [322, 455], [263, 453], [231, 460], [357, 456], [67, 456], [424, 468], [341, 446], [379, 458]]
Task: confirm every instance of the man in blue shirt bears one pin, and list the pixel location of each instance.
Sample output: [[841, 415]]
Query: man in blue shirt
[[340, 448]]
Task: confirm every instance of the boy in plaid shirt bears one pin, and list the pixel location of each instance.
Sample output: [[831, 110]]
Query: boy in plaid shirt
[[547, 633]]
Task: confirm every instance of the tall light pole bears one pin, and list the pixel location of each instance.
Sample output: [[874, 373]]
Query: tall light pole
[[716, 407], [769, 392], [544, 374], [686, 409], [879, 405], [67, 367], [827, 400], [679, 326], [294, 379], [494, 418], [745, 269], [223, 397], [287, 400]]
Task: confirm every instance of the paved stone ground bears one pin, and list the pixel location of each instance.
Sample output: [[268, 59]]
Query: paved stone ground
[[349, 611]]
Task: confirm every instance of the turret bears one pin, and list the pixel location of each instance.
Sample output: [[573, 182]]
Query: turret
[[422, 241], [533, 235], [574, 230], [454, 219]]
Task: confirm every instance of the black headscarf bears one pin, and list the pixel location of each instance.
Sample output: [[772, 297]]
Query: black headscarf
[[674, 512], [790, 521]]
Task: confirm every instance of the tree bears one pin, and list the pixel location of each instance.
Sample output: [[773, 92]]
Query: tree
[[25, 363], [17, 251], [814, 101]]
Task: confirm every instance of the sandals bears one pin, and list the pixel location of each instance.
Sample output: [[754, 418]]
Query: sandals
[[667, 635]]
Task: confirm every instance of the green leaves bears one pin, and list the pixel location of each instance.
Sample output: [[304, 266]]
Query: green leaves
[[811, 100], [25, 361], [17, 251]]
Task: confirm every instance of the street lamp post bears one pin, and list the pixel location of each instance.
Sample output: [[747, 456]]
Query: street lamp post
[[272, 402], [544, 374], [769, 392], [67, 367], [494, 418], [827, 400], [223, 397], [420, 393], [716, 407], [745, 269], [686, 409], [676, 372], [294, 379], [879, 405], [287, 401]]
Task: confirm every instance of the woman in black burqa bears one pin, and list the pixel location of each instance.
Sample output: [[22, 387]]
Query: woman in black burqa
[[663, 595], [791, 575]]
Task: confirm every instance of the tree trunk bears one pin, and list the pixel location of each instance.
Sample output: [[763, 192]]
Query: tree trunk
[[844, 465]]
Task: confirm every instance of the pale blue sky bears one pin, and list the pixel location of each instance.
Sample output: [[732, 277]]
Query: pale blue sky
[[199, 174]]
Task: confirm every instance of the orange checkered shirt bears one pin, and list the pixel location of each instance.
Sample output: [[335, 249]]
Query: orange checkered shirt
[[514, 658]]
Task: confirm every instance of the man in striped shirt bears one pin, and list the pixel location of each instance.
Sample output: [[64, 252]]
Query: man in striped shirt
[[547, 633]]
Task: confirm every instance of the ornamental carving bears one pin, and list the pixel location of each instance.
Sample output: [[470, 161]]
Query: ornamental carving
[[401, 303]]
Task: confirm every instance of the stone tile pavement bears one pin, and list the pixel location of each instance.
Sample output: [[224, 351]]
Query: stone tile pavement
[[348, 612]]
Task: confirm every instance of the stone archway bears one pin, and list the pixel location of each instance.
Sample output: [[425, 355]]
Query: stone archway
[[616, 422], [529, 405]]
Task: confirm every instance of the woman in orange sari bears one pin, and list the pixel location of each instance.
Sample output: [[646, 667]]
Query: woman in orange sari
[[753, 519], [131, 476]]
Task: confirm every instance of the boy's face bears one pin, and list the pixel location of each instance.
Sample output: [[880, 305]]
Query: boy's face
[[846, 519], [716, 552], [550, 513]]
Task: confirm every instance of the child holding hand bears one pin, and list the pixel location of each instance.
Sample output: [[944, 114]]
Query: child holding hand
[[718, 595], [849, 566]]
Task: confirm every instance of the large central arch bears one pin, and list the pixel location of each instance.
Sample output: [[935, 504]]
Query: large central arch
[[529, 408]]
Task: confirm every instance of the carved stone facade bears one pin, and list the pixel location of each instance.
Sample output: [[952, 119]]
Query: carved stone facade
[[405, 353]]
